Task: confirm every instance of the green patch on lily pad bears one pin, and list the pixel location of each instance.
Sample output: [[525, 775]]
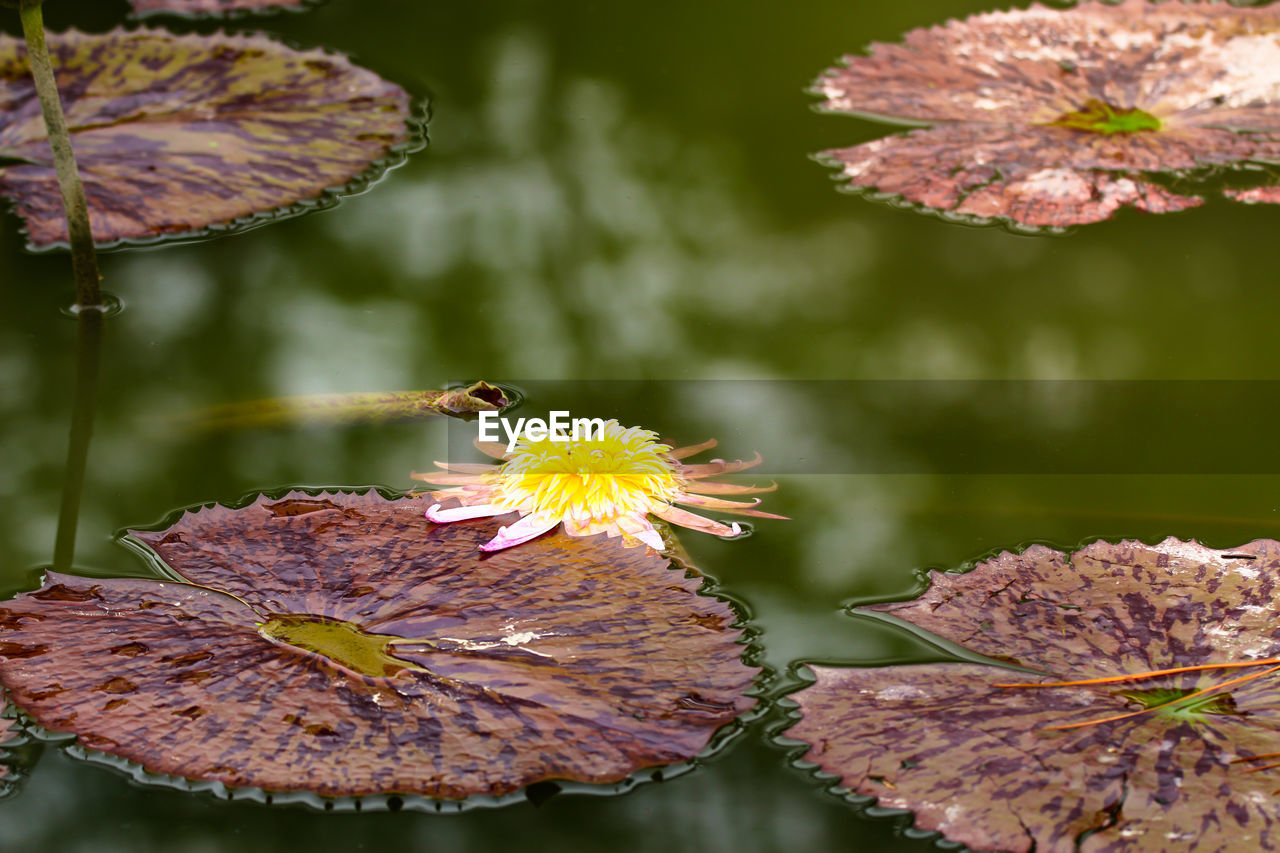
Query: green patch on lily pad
[[1100, 117]]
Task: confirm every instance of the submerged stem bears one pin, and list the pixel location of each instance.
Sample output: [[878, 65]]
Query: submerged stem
[[84, 261], [88, 348]]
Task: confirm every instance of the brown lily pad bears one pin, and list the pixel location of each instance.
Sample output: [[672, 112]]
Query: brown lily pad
[[1133, 762], [214, 7], [177, 134], [341, 644], [1054, 117]]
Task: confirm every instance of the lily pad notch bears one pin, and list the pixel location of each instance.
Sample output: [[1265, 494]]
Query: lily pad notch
[[182, 137], [338, 648]]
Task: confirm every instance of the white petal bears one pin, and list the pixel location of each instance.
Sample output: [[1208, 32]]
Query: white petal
[[529, 527], [462, 513], [652, 538]]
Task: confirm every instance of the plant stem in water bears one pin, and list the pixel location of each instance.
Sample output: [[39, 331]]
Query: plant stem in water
[[84, 262], [88, 350]]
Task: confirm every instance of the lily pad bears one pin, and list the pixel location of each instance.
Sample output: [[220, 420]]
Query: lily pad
[[214, 7], [17, 755], [176, 134], [990, 757], [341, 644], [1054, 117]]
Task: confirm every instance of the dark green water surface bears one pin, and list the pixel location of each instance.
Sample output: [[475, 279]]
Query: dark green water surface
[[622, 191]]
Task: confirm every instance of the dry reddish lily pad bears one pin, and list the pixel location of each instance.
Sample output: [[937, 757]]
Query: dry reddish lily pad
[[341, 644], [179, 133], [1053, 117], [985, 766], [213, 7]]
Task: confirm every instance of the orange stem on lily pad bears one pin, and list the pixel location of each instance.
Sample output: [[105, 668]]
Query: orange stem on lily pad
[[1140, 675], [1180, 700], [1264, 756]]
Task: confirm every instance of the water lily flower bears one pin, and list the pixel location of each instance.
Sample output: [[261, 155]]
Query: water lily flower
[[610, 483], [1054, 117]]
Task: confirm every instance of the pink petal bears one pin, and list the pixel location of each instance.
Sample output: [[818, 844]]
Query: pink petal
[[714, 488], [462, 513], [719, 466], [675, 515], [584, 527], [529, 527], [492, 448], [448, 479], [469, 467], [468, 495], [692, 450], [652, 538], [715, 503], [638, 528], [756, 513]]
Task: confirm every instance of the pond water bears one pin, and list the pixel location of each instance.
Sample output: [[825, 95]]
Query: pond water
[[617, 214]]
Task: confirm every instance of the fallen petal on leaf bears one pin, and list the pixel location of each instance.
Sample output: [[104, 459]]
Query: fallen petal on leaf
[[175, 134], [1000, 759], [341, 644], [1054, 117], [213, 7]]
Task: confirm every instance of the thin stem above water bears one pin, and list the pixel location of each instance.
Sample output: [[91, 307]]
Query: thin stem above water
[[84, 261]]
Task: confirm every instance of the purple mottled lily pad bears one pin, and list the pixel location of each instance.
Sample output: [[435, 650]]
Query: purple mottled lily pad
[[342, 644], [1020, 768], [175, 134], [1054, 117]]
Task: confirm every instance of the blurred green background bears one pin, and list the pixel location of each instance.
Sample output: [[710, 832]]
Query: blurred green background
[[623, 191]]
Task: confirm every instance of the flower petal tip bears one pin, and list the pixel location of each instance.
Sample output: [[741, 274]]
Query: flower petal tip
[[653, 539]]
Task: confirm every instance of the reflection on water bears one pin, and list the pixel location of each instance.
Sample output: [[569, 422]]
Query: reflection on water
[[599, 241], [622, 192]]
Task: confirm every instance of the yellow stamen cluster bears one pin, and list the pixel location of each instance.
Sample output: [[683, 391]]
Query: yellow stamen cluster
[[624, 472]]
